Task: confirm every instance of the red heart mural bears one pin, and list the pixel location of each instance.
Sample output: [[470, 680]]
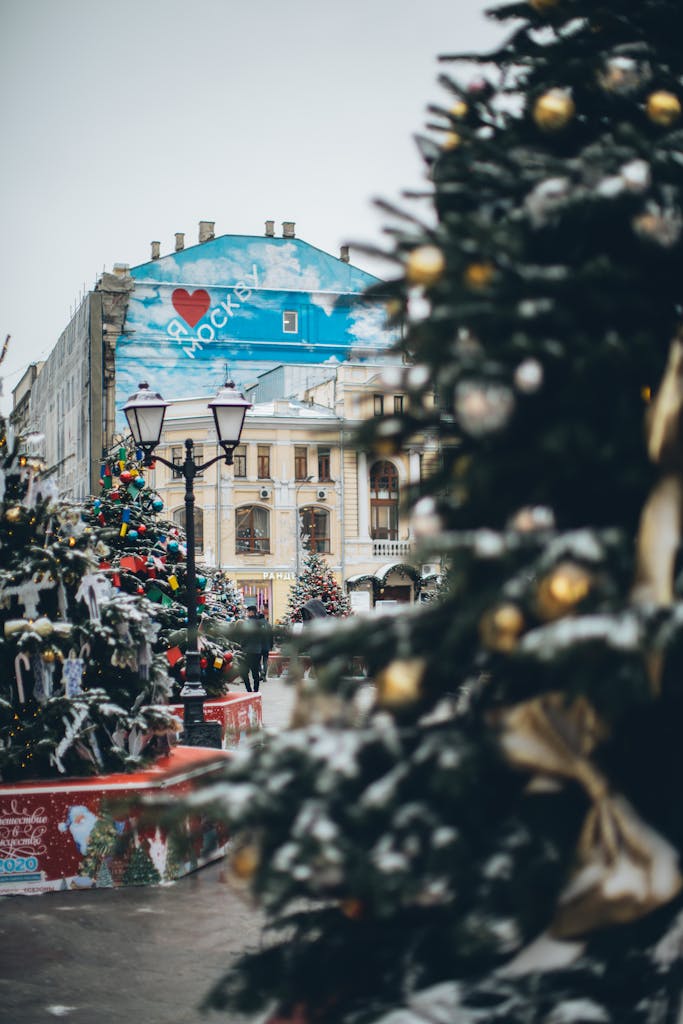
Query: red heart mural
[[191, 307]]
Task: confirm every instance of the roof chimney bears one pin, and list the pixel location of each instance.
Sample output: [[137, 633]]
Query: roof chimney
[[206, 230], [288, 229], [179, 241], [344, 254], [270, 229], [121, 268], [156, 250]]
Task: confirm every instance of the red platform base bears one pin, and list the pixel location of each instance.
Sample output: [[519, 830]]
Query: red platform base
[[61, 834], [240, 714]]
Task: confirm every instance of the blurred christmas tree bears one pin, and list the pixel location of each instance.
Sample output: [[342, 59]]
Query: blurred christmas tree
[[316, 580], [80, 685], [499, 839]]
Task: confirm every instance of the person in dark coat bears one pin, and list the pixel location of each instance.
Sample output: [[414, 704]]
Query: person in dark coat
[[266, 642], [251, 666], [313, 609]]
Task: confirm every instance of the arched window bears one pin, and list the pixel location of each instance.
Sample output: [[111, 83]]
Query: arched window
[[384, 501], [315, 529], [179, 518], [252, 529]]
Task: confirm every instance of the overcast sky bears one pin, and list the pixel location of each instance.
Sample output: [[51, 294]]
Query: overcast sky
[[125, 122]]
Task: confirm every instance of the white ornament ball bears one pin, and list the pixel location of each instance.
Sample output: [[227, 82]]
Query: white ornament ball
[[528, 376], [426, 521]]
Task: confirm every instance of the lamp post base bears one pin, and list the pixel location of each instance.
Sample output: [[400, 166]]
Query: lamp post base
[[202, 734], [197, 732]]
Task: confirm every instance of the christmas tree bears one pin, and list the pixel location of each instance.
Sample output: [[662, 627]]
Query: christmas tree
[[147, 556], [499, 838], [80, 684], [316, 580]]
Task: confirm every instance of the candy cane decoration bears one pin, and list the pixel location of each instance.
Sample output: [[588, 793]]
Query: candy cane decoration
[[21, 659]]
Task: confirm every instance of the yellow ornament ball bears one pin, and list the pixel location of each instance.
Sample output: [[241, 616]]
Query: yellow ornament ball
[[400, 682], [425, 265], [478, 276], [501, 627], [554, 110], [459, 110], [663, 108], [13, 514], [245, 860], [451, 141], [563, 589]]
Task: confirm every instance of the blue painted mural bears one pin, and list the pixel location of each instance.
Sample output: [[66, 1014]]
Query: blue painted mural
[[240, 304]]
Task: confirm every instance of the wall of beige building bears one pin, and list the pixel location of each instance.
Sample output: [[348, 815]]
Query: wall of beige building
[[266, 566]]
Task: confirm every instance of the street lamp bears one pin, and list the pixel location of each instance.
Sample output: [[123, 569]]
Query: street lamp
[[145, 411]]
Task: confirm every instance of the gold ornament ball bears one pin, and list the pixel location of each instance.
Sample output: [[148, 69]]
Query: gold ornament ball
[[501, 627], [560, 591], [400, 682], [459, 110], [663, 108], [245, 860], [49, 656], [13, 514], [554, 110], [425, 265], [478, 276], [451, 141]]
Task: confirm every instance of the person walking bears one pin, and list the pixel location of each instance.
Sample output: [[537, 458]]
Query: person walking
[[251, 666], [266, 643]]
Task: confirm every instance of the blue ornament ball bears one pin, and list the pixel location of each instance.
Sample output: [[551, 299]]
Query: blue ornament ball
[[157, 504], [132, 535], [172, 546], [139, 482]]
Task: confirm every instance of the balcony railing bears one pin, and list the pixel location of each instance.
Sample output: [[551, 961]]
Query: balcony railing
[[391, 549]]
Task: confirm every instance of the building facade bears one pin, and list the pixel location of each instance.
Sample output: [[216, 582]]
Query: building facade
[[233, 305], [299, 483]]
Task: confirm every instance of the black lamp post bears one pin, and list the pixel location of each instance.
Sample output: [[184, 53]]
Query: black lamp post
[[145, 411]]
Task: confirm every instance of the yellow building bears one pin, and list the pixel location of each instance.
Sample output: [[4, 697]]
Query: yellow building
[[298, 483]]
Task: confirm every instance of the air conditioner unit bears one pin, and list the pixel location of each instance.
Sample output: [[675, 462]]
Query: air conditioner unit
[[321, 495], [264, 492], [430, 569]]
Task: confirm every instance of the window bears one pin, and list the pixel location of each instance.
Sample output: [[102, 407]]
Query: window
[[180, 519], [384, 501], [263, 461], [324, 464], [252, 530], [398, 404], [378, 404], [290, 321], [315, 529], [300, 463], [177, 458], [239, 460]]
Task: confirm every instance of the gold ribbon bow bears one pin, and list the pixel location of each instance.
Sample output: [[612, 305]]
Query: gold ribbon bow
[[661, 521], [623, 869]]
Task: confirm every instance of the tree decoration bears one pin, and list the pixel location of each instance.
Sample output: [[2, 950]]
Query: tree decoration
[[501, 627], [483, 408], [400, 682], [528, 376], [425, 265], [663, 108], [554, 110], [624, 76], [543, 5], [562, 590], [479, 276]]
